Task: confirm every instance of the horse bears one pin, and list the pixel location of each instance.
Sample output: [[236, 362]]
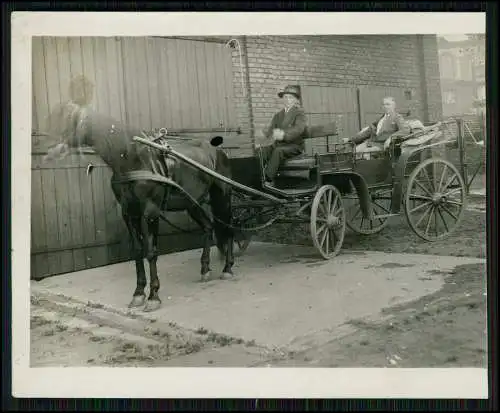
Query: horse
[[138, 183]]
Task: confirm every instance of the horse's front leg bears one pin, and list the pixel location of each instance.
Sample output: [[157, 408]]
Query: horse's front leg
[[151, 229], [134, 229]]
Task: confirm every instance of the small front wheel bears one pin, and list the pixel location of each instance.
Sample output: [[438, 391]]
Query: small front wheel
[[435, 199], [328, 221]]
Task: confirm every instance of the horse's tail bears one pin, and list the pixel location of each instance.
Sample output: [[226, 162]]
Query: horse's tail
[[220, 203]]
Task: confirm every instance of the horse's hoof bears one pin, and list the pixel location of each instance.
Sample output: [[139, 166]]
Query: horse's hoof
[[137, 301], [206, 277], [227, 276], [152, 305]]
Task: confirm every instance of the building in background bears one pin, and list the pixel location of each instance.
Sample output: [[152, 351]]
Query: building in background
[[462, 70]]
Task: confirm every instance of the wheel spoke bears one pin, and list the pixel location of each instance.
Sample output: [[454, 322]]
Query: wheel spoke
[[423, 187], [429, 221], [323, 239], [442, 177], [322, 228], [329, 202], [453, 191], [327, 241], [420, 197], [442, 219], [445, 208], [448, 183], [381, 207], [420, 207], [455, 203], [423, 216], [428, 179]]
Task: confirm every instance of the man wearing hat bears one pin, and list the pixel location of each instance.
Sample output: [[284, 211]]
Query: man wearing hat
[[287, 129]]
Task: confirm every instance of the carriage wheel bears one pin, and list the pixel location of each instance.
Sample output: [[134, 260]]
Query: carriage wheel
[[328, 221], [435, 199], [381, 205]]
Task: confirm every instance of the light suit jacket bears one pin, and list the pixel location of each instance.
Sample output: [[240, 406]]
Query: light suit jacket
[[393, 125]]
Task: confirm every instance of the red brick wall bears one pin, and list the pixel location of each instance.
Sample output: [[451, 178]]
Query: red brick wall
[[389, 60]]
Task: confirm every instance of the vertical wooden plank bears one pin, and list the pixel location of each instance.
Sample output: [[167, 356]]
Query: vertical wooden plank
[[216, 96], [211, 83], [63, 218], [227, 61], [75, 56], [165, 103], [40, 265], [112, 76], [51, 221], [203, 92], [102, 78], [192, 85], [219, 81], [51, 72], [77, 223], [89, 69], [175, 79], [141, 82], [99, 256], [155, 93], [63, 67], [183, 80], [39, 87], [87, 207], [129, 76]]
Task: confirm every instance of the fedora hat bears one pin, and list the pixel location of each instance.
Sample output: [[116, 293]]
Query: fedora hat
[[290, 90]]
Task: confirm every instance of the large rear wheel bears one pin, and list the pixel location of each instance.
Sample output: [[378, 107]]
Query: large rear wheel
[[328, 221], [435, 199]]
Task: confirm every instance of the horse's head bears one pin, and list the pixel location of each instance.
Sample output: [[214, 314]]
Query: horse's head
[[67, 127]]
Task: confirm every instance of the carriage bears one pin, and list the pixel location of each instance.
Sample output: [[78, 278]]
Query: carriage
[[340, 188]]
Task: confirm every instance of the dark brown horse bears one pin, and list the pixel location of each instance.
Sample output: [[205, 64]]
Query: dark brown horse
[[139, 183]]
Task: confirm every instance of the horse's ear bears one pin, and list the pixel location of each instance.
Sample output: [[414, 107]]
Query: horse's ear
[[216, 141]]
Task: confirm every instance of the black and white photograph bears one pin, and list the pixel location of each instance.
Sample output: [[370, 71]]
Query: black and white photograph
[[220, 198]]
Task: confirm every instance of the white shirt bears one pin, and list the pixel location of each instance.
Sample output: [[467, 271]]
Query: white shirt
[[381, 121]]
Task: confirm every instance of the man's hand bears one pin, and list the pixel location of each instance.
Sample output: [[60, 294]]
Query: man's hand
[[278, 134], [346, 140]]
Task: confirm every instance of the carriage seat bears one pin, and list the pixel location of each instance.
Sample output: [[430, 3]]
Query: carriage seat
[[299, 162], [304, 161]]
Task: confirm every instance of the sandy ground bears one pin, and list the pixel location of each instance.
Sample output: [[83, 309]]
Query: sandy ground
[[446, 328]]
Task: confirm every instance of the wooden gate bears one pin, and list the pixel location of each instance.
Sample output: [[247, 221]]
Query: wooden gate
[[75, 221], [324, 104]]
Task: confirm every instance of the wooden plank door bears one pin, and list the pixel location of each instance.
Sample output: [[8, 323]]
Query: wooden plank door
[[324, 104]]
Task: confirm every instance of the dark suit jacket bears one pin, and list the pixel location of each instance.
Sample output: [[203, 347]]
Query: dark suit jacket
[[394, 125], [294, 124]]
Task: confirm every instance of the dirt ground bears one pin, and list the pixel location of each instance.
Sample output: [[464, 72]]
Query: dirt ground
[[445, 329]]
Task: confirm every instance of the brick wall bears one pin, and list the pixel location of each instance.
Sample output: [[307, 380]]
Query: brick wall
[[270, 62]]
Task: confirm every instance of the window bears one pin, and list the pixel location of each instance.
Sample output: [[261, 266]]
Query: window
[[447, 66], [449, 97], [481, 92]]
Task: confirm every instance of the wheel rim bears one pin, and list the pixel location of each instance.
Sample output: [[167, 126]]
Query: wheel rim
[[328, 221], [435, 199], [381, 201]]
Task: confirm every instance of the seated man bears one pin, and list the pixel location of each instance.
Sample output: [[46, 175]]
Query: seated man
[[377, 136], [287, 129]]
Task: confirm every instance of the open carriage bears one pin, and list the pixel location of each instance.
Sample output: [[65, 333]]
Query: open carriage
[[341, 188]]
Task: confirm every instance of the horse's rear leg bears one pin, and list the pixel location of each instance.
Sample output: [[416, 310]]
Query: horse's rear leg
[[134, 229], [206, 226], [151, 229]]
